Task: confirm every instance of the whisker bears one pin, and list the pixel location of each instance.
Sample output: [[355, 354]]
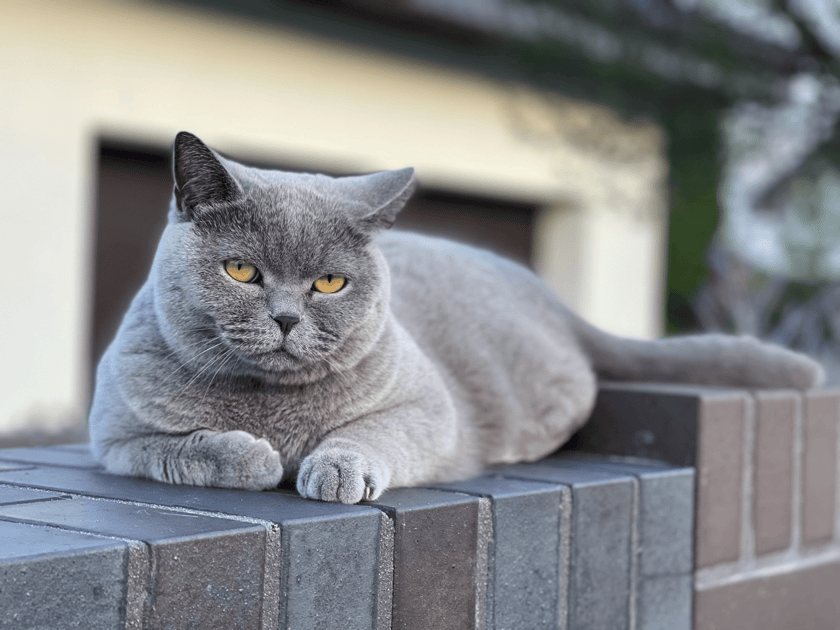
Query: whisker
[[199, 343], [204, 368], [227, 354], [339, 374], [184, 365]]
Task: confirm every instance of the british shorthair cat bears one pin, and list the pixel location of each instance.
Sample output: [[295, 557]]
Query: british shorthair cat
[[284, 331]]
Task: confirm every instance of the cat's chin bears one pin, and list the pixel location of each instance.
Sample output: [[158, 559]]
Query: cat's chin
[[279, 359], [284, 367]]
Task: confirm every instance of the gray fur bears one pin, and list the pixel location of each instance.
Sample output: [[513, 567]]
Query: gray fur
[[435, 360]]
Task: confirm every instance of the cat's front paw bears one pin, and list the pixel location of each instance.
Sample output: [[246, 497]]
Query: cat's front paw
[[341, 474], [243, 461]]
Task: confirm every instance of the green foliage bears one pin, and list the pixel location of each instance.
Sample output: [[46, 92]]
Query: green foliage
[[693, 155]]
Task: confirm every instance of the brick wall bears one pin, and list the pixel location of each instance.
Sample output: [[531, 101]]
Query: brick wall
[[581, 540], [577, 541], [767, 547]]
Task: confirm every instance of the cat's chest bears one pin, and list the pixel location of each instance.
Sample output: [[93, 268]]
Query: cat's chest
[[298, 412], [272, 404]]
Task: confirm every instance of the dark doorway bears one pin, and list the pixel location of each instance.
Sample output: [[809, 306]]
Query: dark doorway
[[133, 194]]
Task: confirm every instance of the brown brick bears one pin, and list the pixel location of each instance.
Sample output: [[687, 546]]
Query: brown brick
[[720, 465], [775, 413], [819, 468], [804, 599]]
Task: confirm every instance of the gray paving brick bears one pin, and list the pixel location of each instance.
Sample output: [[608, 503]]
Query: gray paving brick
[[601, 545], [436, 541], [665, 538], [4, 466], [202, 571], [524, 577], [330, 567], [12, 494], [50, 578], [73, 455], [667, 522], [666, 510], [125, 520], [665, 603], [82, 447]]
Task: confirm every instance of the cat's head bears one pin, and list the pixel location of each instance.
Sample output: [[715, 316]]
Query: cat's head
[[273, 273]]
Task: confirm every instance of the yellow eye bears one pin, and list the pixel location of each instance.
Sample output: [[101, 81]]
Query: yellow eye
[[241, 271], [330, 283]]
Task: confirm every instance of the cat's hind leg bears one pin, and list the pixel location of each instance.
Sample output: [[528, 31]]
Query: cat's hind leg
[[222, 459]]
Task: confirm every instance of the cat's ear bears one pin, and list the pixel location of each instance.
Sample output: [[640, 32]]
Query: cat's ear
[[200, 178], [384, 193]]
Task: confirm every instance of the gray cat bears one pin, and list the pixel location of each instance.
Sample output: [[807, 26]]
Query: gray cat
[[283, 331]]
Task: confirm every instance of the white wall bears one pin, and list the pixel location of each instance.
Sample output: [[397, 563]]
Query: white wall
[[72, 71]]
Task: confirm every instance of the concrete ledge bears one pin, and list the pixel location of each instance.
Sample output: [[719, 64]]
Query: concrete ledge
[[322, 561], [581, 542]]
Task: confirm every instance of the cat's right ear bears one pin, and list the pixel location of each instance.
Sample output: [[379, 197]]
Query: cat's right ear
[[200, 178]]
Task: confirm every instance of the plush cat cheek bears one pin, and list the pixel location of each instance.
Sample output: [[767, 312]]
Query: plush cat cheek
[[330, 283], [241, 271]]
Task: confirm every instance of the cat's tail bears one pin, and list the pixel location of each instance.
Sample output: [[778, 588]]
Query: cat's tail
[[712, 359]]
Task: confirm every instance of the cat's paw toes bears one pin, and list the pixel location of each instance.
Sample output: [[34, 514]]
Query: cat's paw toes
[[338, 474], [251, 463]]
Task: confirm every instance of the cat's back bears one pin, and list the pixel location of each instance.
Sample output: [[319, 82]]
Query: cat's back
[[423, 267], [431, 275], [498, 334]]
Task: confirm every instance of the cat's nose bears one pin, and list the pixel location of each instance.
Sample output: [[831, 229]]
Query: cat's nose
[[286, 321]]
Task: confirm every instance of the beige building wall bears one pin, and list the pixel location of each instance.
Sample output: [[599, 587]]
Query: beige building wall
[[71, 72]]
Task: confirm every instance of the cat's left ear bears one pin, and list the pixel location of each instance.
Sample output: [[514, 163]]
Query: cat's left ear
[[385, 193], [200, 178]]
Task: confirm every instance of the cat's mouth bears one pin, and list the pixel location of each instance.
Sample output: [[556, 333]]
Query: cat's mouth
[[282, 352], [263, 351], [273, 356]]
